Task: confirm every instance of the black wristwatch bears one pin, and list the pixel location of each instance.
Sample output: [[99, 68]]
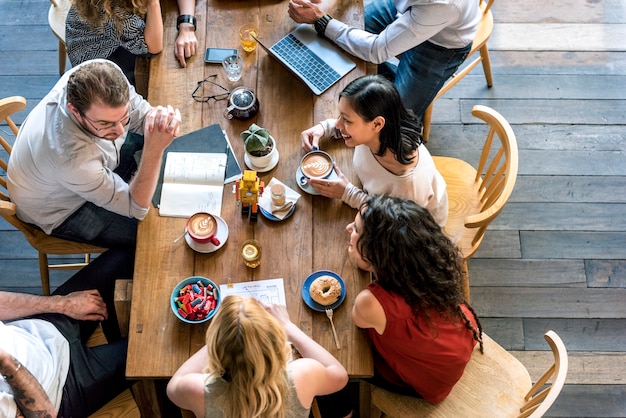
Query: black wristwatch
[[321, 23], [186, 19]]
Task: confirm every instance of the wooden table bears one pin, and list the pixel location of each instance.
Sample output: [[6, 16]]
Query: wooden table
[[314, 238]]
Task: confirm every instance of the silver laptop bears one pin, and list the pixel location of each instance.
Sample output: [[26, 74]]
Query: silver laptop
[[312, 58]]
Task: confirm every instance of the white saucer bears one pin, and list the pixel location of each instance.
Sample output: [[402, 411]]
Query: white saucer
[[222, 235], [307, 187], [270, 166]]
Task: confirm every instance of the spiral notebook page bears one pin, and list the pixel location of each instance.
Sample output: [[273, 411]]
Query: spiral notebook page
[[192, 182]]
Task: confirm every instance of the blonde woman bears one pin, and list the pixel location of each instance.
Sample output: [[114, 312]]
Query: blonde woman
[[244, 370]]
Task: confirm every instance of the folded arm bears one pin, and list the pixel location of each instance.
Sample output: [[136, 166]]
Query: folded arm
[[186, 387]]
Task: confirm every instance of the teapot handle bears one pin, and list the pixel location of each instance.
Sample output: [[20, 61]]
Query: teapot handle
[[227, 111]]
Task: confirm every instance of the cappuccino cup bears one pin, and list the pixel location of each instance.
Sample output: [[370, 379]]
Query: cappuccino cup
[[316, 164], [202, 228]]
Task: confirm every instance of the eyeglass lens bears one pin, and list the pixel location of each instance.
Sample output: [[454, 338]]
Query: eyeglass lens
[[101, 125]]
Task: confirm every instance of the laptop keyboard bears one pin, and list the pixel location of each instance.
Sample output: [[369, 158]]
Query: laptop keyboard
[[320, 74]]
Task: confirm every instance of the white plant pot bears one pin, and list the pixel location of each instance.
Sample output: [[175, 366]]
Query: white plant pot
[[264, 161]]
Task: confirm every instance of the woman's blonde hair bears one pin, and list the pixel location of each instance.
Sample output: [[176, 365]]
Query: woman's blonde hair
[[248, 348], [91, 10]]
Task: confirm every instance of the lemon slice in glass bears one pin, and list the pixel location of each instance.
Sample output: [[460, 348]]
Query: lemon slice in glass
[[250, 252]]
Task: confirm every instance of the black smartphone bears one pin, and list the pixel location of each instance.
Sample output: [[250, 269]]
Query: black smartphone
[[217, 55]]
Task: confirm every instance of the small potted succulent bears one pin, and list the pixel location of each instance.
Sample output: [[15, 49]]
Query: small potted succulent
[[260, 146]]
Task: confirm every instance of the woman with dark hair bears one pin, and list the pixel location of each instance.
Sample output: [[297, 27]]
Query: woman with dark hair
[[389, 156], [422, 328]]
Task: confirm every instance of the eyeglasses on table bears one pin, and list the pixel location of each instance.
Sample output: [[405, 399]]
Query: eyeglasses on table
[[198, 93]]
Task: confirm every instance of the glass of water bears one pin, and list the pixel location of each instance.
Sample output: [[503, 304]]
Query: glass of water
[[233, 65]]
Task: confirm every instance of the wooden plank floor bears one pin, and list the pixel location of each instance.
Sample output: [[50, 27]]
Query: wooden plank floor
[[556, 257]]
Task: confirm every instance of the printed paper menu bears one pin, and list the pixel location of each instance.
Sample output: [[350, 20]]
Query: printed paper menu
[[265, 291]]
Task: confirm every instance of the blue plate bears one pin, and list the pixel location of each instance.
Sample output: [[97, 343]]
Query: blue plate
[[306, 296], [271, 217]]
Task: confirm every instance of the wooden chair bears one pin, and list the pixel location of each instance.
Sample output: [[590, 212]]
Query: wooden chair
[[477, 196], [123, 405], [494, 384], [56, 19], [43, 243], [485, 26]]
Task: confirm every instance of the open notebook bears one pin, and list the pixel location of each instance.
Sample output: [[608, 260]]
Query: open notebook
[[313, 59]]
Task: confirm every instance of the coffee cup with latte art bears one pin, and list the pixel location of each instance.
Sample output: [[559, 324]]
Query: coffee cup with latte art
[[202, 228], [316, 164]]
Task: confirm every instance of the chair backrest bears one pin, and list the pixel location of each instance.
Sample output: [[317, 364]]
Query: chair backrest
[[542, 395], [485, 27], [483, 33], [496, 172], [56, 17], [8, 106]]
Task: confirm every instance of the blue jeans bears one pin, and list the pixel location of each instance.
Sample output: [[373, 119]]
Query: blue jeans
[[422, 70], [96, 375], [98, 226]]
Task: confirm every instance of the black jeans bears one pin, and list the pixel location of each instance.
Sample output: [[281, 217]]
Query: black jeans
[[96, 375], [126, 61], [95, 225]]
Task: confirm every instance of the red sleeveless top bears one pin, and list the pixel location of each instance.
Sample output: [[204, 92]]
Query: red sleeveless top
[[429, 355]]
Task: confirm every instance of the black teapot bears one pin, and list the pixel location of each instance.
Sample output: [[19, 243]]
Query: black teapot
[[243, 104]]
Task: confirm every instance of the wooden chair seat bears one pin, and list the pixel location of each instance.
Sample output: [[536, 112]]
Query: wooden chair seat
[[122, 406], [476, 196], [463, 199], [483, 33], [494, 384], [43, 243]]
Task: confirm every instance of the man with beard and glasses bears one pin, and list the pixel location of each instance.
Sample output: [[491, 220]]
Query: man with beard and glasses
[[87, 159]]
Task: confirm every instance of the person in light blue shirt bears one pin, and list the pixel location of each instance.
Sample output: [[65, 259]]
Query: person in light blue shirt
[[431, 38], [74, 170]]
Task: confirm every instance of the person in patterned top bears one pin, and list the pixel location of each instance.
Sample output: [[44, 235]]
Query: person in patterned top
[[121, 30]]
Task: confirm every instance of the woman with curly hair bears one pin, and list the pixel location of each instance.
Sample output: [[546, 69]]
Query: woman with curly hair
[[389, 156], [422, 328], [121, 30], [245, 369]]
